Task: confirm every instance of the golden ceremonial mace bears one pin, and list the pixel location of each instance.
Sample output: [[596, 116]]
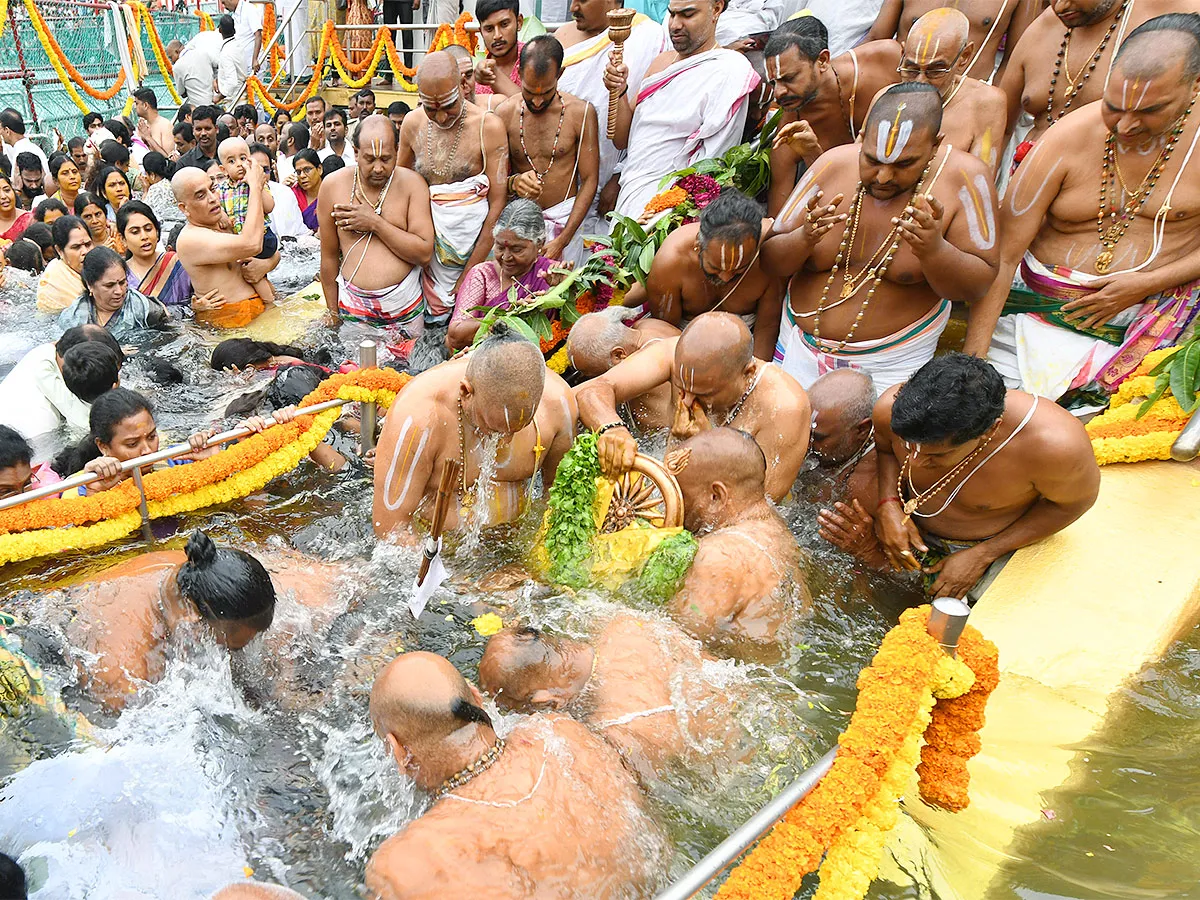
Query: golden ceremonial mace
[[620, 24]]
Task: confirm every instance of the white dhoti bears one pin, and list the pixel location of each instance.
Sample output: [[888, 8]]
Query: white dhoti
[[398, 309], [459, 210], [888, 360], [694, 109], [556, 218]]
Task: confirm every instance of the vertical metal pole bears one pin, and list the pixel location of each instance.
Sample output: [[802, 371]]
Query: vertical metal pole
[[26, 75], [367, 359], [947, 620], [147, 533]]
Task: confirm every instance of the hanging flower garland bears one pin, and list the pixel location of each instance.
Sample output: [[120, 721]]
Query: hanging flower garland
[[952, 738], [3, 15], [142, 14], [38, 528], [278, 52], [1142, 420], [206, 21], [67, 73], [846, 817]]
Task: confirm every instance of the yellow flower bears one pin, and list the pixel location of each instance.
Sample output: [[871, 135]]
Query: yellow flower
[[487, 624], [558, 362]]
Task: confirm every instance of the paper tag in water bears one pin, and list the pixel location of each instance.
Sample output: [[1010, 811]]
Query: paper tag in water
[[433, 580]]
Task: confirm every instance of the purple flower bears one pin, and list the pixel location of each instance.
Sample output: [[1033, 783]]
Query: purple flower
[[703, 189], [604, 293]]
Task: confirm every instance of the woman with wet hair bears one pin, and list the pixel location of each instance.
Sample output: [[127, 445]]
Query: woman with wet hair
[[108, 300], [239, 354], [93, 211]]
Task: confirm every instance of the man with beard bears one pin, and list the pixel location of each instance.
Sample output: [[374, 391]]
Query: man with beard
[[376, 234], [204, 129], [824, 101], [552, 148], [462, 153], [937, 52], [500, 72], [1038, 80], [713, 264], [877, 239], [692, 104], [1108, 271], [718, 382], [585, 41]]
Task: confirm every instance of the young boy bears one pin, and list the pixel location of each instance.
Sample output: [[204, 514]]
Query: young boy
[[234, 156]]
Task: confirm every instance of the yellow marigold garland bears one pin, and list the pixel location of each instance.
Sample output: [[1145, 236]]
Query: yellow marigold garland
[[37, 528], [952, 737], [846, 817], [1119, 436], [206, 21], [142, 14], [278, 51]]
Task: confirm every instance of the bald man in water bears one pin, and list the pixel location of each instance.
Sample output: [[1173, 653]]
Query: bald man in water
[[600, 340], [744, 590], [938, 51], [923, 219], [221, 264], [638, 683], [502, 406], [716, 381], [547, 812]]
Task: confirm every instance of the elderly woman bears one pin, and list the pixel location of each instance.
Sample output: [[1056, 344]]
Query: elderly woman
[[108, 300], [155, 272], [68, 177], [60, 283], [94, 212], [307, 165], [518, 238]]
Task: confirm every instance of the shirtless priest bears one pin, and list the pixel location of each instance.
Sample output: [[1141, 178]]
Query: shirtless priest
[[376, 234], [497, 407], [877, 239]]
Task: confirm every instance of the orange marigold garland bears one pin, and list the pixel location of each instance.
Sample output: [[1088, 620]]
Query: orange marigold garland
[[668, 199], [952, 737]]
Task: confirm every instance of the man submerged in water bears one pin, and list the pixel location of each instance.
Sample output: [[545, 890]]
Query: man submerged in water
[[638, 683], [548, 811], [498, 407]]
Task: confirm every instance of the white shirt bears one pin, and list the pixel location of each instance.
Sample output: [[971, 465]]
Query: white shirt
[[34, 399], [25, 145], [848, 21], [231, 73], [286, 218], [197, 67], [247, 20], [347, 154]]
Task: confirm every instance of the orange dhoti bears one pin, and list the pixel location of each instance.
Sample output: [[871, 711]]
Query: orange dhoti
[[236, 314]]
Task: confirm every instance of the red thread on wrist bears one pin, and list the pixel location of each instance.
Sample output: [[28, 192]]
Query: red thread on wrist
[[886, 500]]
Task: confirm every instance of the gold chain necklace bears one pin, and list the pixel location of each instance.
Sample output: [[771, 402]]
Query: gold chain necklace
[[440, 172], [467, 496], [1110, 174], [1076, 84], [910, 506], [481, 765]]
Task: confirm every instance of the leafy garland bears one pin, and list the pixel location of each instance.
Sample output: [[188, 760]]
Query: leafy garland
[[845, 819], [1143, 420], [572, 526], [666, 567]]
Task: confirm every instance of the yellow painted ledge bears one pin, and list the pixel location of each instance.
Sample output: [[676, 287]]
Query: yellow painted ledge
[[1073, 617]]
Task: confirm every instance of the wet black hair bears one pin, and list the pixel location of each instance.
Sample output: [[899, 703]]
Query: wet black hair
[[40, 233], [62, 228], [331, 164], [469, 713], [732, 216], [14, 449], [807, 34], [49, 205], [81, 334], [90, 369], [540, 52], [29, 162], [97, 262], [243, 352], [109, 410], [486, 8], [288, 387], [953, 398], [25, 255], [12, 879], [136, 208], [226, 585], [1180, 23], [157, 164]]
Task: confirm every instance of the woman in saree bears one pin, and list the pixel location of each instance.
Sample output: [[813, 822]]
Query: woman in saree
[[519, 235], [108, 300], [68, 177], [13, 220], [60, 284], [113, 188], [156, 273], [307, 166], [94, 213]]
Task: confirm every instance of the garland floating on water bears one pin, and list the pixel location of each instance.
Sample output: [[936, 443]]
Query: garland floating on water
[[40, 527], [1146, 415], [841, 826]]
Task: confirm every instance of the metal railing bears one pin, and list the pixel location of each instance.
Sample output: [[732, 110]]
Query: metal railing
[[946, 624]]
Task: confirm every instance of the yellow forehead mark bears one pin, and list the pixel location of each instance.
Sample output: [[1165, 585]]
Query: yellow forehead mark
[[923, 48], [894, 134]]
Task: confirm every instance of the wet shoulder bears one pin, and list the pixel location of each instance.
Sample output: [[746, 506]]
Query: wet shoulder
[[787, 393]]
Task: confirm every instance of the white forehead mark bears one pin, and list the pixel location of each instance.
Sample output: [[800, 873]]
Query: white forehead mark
[[773, 59], [401, 444], [1125, 93], [692, 387], [884, 136], [981, 218], [507, 423], [1146, 89], [741, 254]]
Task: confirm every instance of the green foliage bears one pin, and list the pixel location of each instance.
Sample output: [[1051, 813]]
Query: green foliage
[[666, 567], [572, 527], [1181, 373]]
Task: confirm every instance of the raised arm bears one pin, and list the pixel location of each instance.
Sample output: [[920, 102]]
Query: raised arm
[[887, 23], [616, 78], [768, 316], [209, 247], [898, 536], [495, 143], [804, 219], [414, 243]]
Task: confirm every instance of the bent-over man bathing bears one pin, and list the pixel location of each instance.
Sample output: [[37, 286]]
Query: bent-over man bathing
[[969, 472], [462, 153], [638, 683], [877, 239], [1101, 221], [213, 255], [824, 101], [497, 404], [376, 234], [598, 341], [937, 52], [744, 591], [547, 811], [714, 264], [717, 382], [553, 149]]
